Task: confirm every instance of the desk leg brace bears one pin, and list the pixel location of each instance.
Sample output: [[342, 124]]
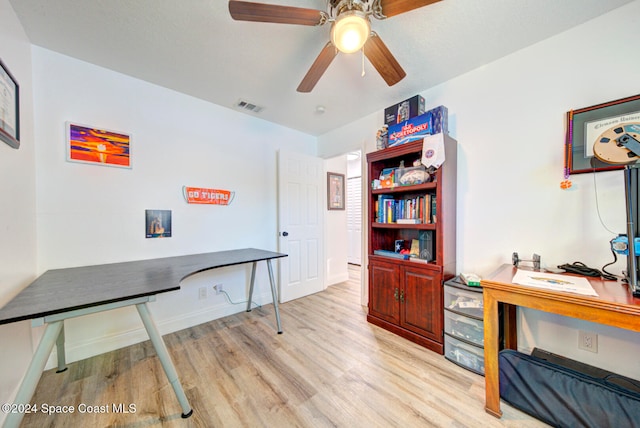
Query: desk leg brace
[[36, 367], [274, 292], [62, 363], [251, 285], [165, 358]]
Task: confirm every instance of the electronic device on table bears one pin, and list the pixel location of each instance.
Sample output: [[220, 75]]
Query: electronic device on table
[[620, 145]]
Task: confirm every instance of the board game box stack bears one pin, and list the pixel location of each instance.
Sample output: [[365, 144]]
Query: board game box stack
[[404, 110], [409, 121]]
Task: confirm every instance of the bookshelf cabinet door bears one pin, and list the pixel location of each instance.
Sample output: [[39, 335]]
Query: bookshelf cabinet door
[[421, 310], [384, 291]]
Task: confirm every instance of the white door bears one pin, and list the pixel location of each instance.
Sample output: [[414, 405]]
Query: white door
[[354, 220], [300, 196]]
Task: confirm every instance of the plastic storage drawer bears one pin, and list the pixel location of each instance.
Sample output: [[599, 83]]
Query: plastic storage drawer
[[462, 327], [463, 301], [464, 354]]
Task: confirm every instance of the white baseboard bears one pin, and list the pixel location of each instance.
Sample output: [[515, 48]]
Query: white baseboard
[[336, 279]]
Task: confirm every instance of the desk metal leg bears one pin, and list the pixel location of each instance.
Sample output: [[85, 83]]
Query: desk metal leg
[[491, 368], [165, 358], [253, 281], [36, 367], [62, 362], [274, 293]]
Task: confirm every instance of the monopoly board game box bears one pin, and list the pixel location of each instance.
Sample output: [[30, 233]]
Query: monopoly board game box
[[434, 121], [404, 110], [410, 130]]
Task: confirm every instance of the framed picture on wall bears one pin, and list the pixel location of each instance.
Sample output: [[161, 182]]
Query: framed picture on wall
[[335, 191], [9, 108], [98, 146], [595, 134], [158, 223]]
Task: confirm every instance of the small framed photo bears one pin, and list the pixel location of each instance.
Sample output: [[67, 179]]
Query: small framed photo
[[98, 146], [9, 108], [335, 191], [595, 135], [158, 223]]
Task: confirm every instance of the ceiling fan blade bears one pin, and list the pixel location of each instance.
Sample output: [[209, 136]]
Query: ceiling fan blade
[[396, 7], [318, 68], [260, 12], [383, 61]]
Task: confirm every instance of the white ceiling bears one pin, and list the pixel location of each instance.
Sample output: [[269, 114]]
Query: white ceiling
[[194, 47]]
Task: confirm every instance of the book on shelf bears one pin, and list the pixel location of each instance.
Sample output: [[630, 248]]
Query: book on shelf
[[433, 210], [416, 210], [419, 260], [392, 254], [381, 207], [408, 221]]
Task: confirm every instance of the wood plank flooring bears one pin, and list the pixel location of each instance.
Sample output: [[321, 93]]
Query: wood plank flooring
[[330, 368]]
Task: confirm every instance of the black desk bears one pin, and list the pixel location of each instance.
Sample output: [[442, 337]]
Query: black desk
[[66, 293]]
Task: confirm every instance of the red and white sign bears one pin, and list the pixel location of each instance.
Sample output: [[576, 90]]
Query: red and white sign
[[201, 195]]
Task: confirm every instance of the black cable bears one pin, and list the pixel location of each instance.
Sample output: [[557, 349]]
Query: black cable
[[615, 259], [584, 270]]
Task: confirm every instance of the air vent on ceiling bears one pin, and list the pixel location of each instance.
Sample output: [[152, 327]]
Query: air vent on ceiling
[[247, 106]]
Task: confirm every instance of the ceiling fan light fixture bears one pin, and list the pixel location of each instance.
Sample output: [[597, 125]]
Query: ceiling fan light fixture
[[350, 31]]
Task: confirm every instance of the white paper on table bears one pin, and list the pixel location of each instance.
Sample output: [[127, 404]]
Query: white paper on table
[[552, 281]]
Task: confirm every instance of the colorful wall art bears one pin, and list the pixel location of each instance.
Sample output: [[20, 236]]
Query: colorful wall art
[[98, 146]]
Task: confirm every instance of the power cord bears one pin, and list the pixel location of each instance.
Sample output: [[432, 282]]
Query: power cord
[[584, 270], [238, 303], [615, 259]]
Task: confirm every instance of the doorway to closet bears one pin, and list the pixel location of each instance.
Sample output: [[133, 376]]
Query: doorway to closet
[[354, 208]]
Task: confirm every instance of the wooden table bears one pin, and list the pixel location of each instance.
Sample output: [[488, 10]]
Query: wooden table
[[67, 293], [615, 306]]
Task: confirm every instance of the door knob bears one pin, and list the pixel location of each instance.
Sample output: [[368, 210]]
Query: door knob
[[285, 233]]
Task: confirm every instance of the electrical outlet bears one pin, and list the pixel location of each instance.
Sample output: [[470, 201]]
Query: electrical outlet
[[218, 288], [202, 293], [588, 341]]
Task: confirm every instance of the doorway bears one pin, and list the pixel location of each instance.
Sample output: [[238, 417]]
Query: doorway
[[344, 237], [354, 208]]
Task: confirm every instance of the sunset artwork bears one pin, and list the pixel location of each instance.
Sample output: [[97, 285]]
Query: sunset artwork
[[98, 146]]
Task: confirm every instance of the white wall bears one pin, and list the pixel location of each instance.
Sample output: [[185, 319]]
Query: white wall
[[354, 166], [508, 118], [335, 230], [17, 208], [88, 214]]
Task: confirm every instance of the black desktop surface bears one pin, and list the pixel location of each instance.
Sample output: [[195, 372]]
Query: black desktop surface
[[63, 290]]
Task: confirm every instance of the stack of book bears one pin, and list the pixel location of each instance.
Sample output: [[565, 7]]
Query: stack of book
[[417, 210]]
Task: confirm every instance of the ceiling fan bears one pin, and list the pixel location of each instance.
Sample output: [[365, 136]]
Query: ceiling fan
[[350, 30]]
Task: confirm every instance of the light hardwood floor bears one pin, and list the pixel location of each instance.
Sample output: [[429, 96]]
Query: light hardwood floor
[[330, 368]]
